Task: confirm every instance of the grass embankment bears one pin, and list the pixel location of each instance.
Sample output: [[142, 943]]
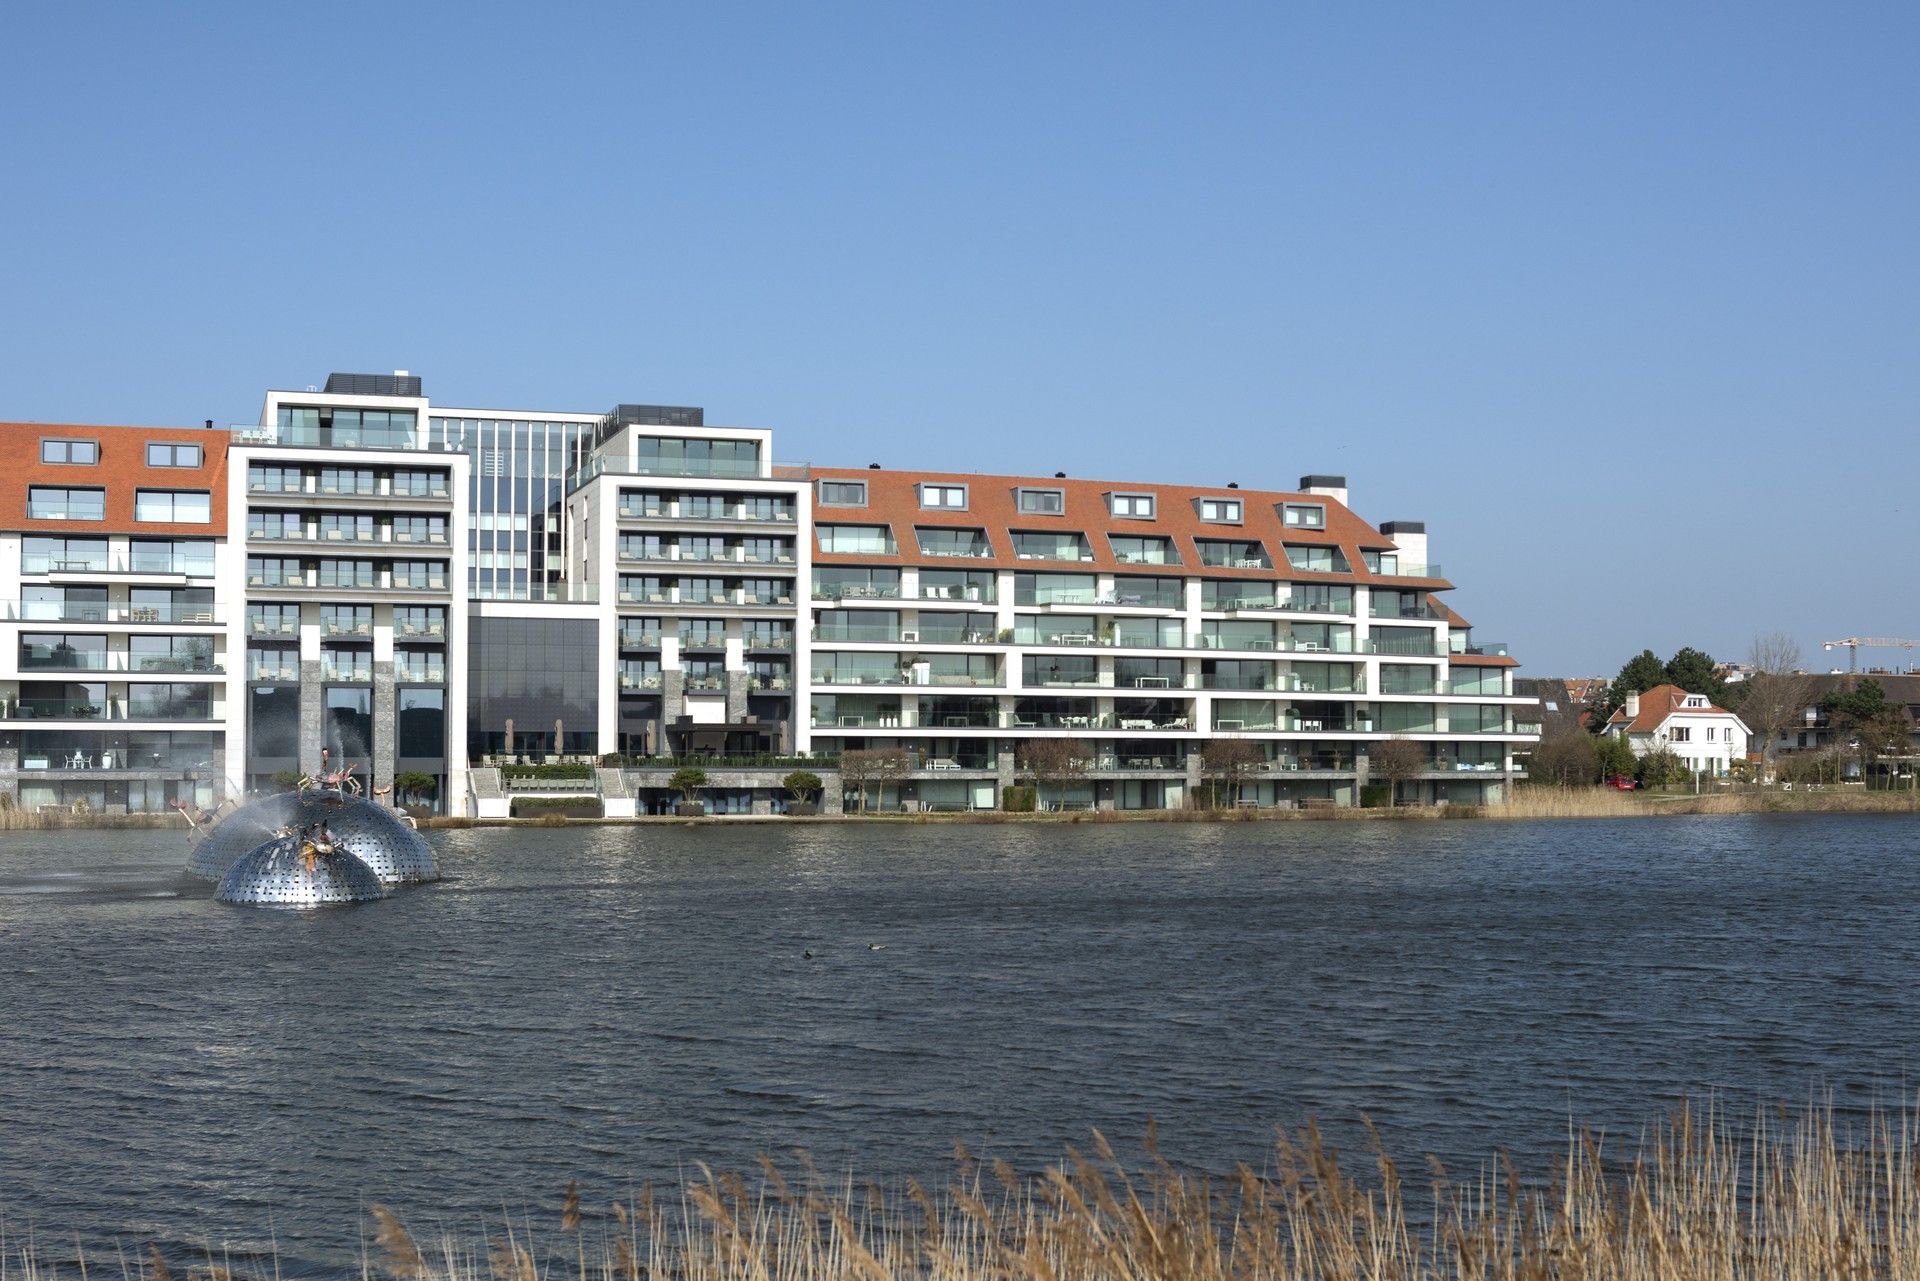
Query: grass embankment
[[15, 819], [1796, 1200]]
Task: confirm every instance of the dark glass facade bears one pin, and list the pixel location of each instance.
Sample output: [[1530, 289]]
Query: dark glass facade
[[534, 672]]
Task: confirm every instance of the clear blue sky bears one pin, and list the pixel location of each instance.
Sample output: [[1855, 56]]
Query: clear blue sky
[[1621, 300]]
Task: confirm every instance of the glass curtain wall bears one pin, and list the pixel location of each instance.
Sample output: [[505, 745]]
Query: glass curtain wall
[[519, 489]]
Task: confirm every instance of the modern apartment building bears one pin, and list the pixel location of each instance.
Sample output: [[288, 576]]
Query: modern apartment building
[[442, 593]]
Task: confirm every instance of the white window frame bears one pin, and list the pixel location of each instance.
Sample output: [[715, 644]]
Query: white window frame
[[820, 495], [1288, 510], [1021, 493], [1123, 506], [173, 516], [173, 448]]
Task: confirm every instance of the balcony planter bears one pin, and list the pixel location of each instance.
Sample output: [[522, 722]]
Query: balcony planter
[[691, 809], [803, 809]]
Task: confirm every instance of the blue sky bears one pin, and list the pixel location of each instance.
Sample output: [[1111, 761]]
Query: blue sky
[[1621, 301]]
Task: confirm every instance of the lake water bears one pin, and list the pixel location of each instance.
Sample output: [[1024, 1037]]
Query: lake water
[[613, 1004]]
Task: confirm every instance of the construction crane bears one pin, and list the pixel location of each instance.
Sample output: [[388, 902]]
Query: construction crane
[[1854, 644]]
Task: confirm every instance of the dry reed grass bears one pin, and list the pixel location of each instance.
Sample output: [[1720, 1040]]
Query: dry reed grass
[[1598, 802], [1783, 1198]]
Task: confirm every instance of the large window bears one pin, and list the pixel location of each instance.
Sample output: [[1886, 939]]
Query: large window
[[274, 715], [166, 454], [41, 555], [83, 453], [963, 543], [660, 455], [856, 540], [349, 722], [176, 506], [326, 425], [191, 556], [46, 502], [422, 721], [1029, 545], [1143, 550], [1319, 560]]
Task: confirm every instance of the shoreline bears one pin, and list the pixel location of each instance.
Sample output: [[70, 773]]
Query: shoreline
[[1530, 804]]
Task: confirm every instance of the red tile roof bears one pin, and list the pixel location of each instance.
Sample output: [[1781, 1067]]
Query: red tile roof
[[893, 499], [1656, 705]]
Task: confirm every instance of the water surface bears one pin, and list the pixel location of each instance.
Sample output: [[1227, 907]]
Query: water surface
[[611, 1004]]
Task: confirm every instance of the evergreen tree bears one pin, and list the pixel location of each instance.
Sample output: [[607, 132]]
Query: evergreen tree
[[1692, 671]]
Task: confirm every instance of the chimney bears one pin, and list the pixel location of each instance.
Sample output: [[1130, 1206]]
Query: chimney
[[1410, 536], [1633, 707], [1334, 487]]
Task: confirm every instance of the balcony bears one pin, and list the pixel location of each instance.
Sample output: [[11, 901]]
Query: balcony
[[856, 592], [858, 635], [258, 626], [172, 663], [413, 629], [642, 681], [639, 640], [1411, 570], [769, 642], [958, 595], [358, 627], [1420, 612], [706, 683], [769, 682], [419, 674], [1237, 682], [724, 468], [267, 671], [359, 673], [1482, 649], [56, 709], [112, 612], [1399, 648], [691, 640]]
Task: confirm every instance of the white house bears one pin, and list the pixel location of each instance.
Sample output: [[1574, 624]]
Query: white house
[[1706, 738]]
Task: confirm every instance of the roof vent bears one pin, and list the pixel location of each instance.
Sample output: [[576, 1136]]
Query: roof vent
[[1233, 484], [873, 466], [1059, 475]]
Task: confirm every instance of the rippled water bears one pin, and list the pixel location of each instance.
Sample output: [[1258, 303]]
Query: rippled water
[[610, 1004]]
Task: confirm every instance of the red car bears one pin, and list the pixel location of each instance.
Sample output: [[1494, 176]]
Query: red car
[[1622, 783]]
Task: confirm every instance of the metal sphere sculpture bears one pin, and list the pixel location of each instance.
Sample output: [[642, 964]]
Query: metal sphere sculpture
[[299, 870]]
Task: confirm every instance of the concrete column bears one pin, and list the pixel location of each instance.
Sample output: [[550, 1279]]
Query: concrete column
[[386, 744], [1003, 772], [736, 696], [830, 798], [312, 724]]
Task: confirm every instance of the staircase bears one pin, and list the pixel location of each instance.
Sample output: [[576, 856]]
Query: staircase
[[489, 797], [616, 798]]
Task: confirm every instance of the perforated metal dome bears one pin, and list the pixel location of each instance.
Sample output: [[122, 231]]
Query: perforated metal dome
[[240, 832], [370, 832], [280, 874]]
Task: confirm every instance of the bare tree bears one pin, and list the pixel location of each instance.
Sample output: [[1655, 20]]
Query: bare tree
[[868, 767], [1778, 693], [1565, 759], [1395, 761], [1055, 762], [1232, 761]]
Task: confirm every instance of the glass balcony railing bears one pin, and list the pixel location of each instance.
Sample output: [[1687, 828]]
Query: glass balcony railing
[[265, 670], [863, 635], [706, 683], [642, 680], [416, 629], [336, 671], [639, 640], [419, 674], [769, 642], [172, 663], [111, 612], [68, 660], [1399, 647], [56, 709], [1408, 610], [362, 627], [856, 591]]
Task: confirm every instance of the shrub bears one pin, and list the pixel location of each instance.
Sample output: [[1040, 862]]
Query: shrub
[[285, 780], [1020, 799], [688, 780], [803, 784], [1376, 796]]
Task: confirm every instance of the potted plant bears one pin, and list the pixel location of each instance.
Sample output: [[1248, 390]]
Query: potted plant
[[805, 785], [688, 780]]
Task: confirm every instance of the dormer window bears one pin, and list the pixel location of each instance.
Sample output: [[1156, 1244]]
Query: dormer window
[[1040, 502], [80, 453], [944, 497], [1131, 506], [1696, 700], [1304, 515], [1220, 511], [843, 493]]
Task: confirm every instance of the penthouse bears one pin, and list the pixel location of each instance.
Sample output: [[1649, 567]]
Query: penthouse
[[477, 606]]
